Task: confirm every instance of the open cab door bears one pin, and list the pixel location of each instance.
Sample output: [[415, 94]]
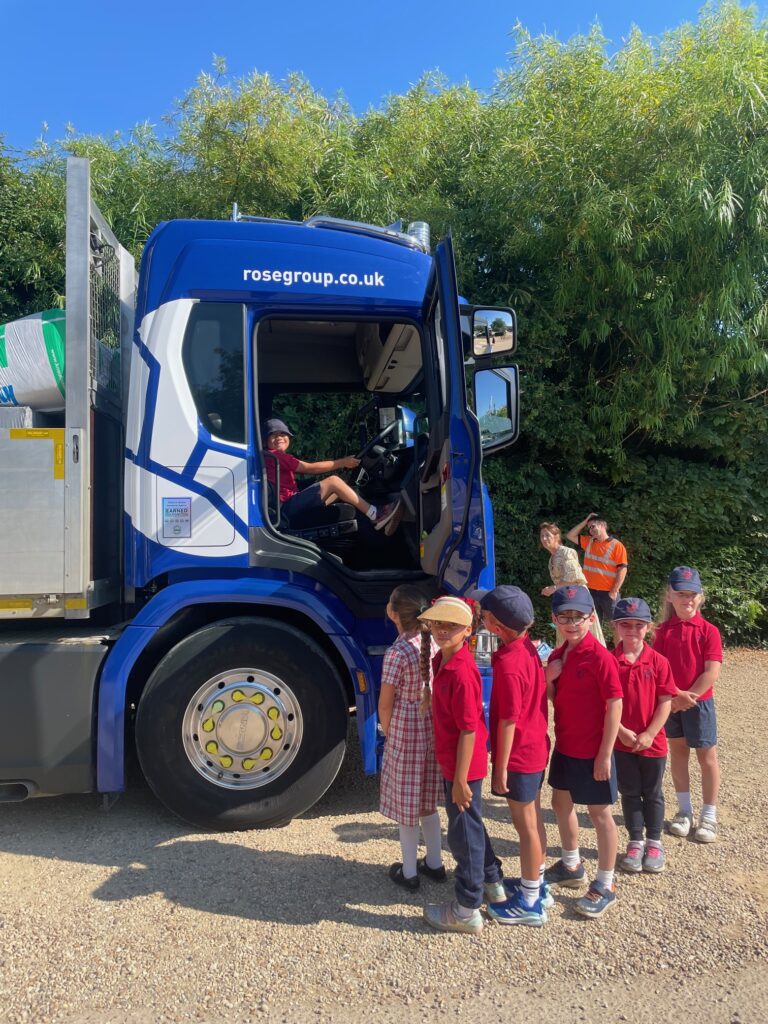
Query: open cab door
[[452, 544]]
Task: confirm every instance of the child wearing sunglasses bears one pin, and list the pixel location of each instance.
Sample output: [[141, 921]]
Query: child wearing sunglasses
[[583, 685]]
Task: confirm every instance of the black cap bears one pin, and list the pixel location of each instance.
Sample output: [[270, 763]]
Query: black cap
[[510, 605], [275, 427]]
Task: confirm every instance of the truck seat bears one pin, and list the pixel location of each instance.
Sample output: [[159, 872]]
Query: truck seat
[[321, 524]]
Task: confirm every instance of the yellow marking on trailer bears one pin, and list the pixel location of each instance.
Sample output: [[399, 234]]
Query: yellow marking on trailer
[[13, 604], [73, 603], [55, 434], [58, 460]]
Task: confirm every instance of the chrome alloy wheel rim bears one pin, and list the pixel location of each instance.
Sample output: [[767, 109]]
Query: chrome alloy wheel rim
[[242, 729]]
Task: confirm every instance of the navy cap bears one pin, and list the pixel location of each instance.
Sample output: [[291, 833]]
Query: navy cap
[[511, 606], [685, 578], [632, 608], [572, 598], [275, 427]]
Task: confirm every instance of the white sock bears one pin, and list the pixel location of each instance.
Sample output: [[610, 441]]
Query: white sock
[[409, 844], [372, 513], [709, 811], [605, 878], [463, 912], [571, 858], [530, 890], [542, 869], [636, 843], [433, 839], [684, 803]]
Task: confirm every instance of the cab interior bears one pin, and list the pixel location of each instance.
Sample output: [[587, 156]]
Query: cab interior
[[350, 387]]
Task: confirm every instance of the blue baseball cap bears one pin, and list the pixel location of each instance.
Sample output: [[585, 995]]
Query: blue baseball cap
[[683, 577], [511, 606], [275, 427], [572, 598], [632, 608]]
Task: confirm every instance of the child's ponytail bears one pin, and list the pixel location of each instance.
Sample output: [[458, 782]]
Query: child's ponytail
[[425, 669], [409, 602]]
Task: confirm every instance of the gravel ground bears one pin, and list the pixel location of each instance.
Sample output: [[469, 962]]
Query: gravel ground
[[127, 917]]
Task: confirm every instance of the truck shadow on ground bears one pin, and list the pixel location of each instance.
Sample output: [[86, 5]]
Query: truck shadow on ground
[[269, 886]]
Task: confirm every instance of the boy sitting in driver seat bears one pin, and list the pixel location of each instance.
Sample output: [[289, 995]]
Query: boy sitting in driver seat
[[324, 492]]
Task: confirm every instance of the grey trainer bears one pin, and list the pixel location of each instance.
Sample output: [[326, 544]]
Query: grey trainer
[[655, 860], [444, 917], [632, 861]]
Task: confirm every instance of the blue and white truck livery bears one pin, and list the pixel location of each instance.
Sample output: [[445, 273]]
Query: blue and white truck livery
[[156, 596]]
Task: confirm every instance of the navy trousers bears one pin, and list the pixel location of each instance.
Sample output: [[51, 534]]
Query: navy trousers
[[470, 845], [642, 798]]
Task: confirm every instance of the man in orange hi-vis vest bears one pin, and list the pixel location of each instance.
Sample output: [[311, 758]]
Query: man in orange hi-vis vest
[[605, 563]]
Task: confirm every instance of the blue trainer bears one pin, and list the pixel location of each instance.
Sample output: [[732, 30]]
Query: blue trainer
[[515, 885], [559, 874], [599, 897], [515, 911]]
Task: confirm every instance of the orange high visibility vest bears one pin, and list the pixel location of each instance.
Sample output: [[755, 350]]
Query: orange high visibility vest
[[602, 560]]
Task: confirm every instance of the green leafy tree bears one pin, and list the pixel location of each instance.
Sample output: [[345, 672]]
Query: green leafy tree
[[618, 198]]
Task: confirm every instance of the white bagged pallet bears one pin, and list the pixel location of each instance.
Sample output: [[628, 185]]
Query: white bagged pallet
[[32, 361], [17, 416]]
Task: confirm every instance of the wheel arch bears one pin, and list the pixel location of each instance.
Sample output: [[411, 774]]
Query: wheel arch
[[162, 624]]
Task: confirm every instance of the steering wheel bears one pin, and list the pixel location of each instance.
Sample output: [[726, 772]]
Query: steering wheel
[[363, 474], [376, 439]]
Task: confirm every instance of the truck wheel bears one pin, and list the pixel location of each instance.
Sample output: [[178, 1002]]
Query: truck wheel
[[242, 725]]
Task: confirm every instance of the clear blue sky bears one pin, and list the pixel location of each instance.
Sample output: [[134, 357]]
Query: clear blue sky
[[107, 66]]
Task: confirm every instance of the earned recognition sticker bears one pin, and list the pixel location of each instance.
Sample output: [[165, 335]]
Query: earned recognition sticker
[[177, 517]]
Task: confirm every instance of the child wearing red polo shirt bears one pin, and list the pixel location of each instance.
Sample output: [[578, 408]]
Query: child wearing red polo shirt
[[641, 747], [519, 749], [277, 437], [695, 651], [460, 748], [583, 683]]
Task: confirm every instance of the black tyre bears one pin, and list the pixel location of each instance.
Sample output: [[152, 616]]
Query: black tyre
[[242, 725]]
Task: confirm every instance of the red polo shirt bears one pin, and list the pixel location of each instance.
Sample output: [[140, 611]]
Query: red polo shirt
[[590, 678], [457, 706], [687, 644], [519, 695], [288, 464], [643, 682]]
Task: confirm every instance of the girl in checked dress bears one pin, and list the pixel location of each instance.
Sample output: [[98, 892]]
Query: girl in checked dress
[[411, 783]]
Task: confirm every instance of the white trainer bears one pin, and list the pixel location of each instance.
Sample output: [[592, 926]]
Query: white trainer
[[706, 831], [680, 825]]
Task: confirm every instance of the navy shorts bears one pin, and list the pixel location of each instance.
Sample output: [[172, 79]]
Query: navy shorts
[[576, 774], [697, 726], [522, 787], [306, 500]]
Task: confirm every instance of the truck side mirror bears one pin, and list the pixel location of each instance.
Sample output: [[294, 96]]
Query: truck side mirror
[[496, 394], [493, 331]]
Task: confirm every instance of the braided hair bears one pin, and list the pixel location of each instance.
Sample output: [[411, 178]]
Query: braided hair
[[409, 602]]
